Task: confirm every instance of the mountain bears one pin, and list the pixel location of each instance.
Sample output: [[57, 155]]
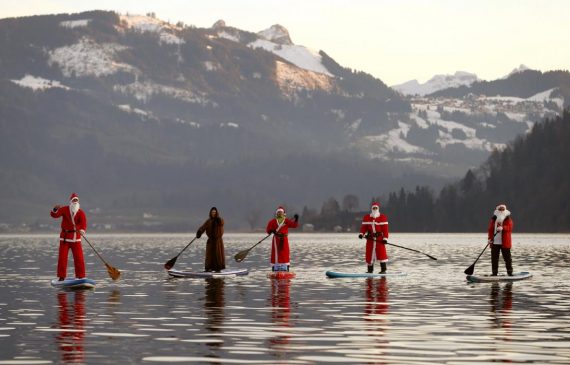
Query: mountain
[[144, 118], [436, 83], [520, 84], [152, 123]]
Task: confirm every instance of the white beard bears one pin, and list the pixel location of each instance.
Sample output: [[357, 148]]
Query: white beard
[[501, 215], [73, 208], [375, 213]]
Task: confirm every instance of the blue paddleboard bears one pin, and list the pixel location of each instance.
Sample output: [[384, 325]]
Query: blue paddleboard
[[337, 274], [207, 274], [73, 283], [502, 277]]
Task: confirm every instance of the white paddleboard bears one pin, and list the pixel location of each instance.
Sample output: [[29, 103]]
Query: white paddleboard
[[73, 283], [502, 277], [207, 274], [337, 274]]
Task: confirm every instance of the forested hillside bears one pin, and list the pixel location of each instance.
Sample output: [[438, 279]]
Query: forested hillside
[[531, 176]]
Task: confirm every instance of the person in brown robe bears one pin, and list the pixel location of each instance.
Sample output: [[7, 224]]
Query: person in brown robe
[[214, 228]]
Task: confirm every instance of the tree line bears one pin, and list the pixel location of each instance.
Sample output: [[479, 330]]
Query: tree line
[[530, 175]]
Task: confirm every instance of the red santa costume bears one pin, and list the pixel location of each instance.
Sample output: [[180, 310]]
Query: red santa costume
[[375, 228], [279, 226], [499, 233], [73, 225]]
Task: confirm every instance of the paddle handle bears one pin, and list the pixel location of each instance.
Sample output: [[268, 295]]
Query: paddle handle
[[405, 248], [411, 249], [94, 250], [188, 245], [263, 239]]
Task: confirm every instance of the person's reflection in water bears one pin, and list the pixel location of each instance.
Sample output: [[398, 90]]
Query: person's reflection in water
[[501, 300], [375, 313], [214, 303], [71, 318], [376, 299], [281, 310]]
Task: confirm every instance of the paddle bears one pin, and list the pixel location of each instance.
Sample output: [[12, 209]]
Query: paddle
[[114, 273], [411, 249], [406, 248], [240, 256], [170, 263], [471, 269]]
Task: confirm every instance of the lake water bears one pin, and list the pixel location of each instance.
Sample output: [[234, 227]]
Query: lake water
[[430, 316]]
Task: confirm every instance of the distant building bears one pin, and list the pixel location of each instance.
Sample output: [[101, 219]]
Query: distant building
[[308, 227]]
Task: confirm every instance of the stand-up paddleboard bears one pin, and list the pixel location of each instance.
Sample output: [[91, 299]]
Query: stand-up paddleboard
[[281, 275], [73, 283], [337, 274], [207, 274], [491, 279]]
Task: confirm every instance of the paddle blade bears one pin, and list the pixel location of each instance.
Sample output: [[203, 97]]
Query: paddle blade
[[113, 272], [170, 263], [240, 256], [470, 270]]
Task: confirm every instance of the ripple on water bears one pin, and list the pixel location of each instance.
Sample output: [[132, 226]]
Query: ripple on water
[[118, 334], [209, 360]]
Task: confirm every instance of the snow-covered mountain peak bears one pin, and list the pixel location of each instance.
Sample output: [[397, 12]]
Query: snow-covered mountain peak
[[276, 34], [517, 70], [219, 24], [144, 23], [436, 83]]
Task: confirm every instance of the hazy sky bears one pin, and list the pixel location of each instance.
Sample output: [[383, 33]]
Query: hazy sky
[[396, 40]]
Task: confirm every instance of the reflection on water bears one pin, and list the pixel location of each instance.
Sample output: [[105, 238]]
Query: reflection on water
[[430, 316], [280, 311], [214, 308], [501, 300], [71, 321]]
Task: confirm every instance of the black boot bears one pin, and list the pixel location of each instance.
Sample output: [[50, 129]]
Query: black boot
[[370, 268], [382, 268]]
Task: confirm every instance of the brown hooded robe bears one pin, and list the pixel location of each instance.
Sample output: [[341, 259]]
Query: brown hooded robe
[[214, 228]]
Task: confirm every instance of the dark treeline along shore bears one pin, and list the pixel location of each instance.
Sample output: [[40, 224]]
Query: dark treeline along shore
[[531, 175]]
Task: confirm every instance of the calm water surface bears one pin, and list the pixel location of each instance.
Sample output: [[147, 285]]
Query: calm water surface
[[430, 316]]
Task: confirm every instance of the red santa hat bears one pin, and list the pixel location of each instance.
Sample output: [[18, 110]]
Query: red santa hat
[[72, 196], [280, 209], [375, 204]]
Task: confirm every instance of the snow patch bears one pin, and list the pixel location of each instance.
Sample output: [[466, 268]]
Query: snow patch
[[339, 113], [88, 58], [211, 66], [144, 91], [145, 24], [75, 23], [38, 83], [127, 108], [291, 79], [419, 121], [300, 56], [229, 36], [230, 124], [191, 124], [393, 141]]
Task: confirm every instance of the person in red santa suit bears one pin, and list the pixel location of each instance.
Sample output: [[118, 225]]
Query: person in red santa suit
[[375, 228], [499, 233], [279, 226], [73, 226]]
